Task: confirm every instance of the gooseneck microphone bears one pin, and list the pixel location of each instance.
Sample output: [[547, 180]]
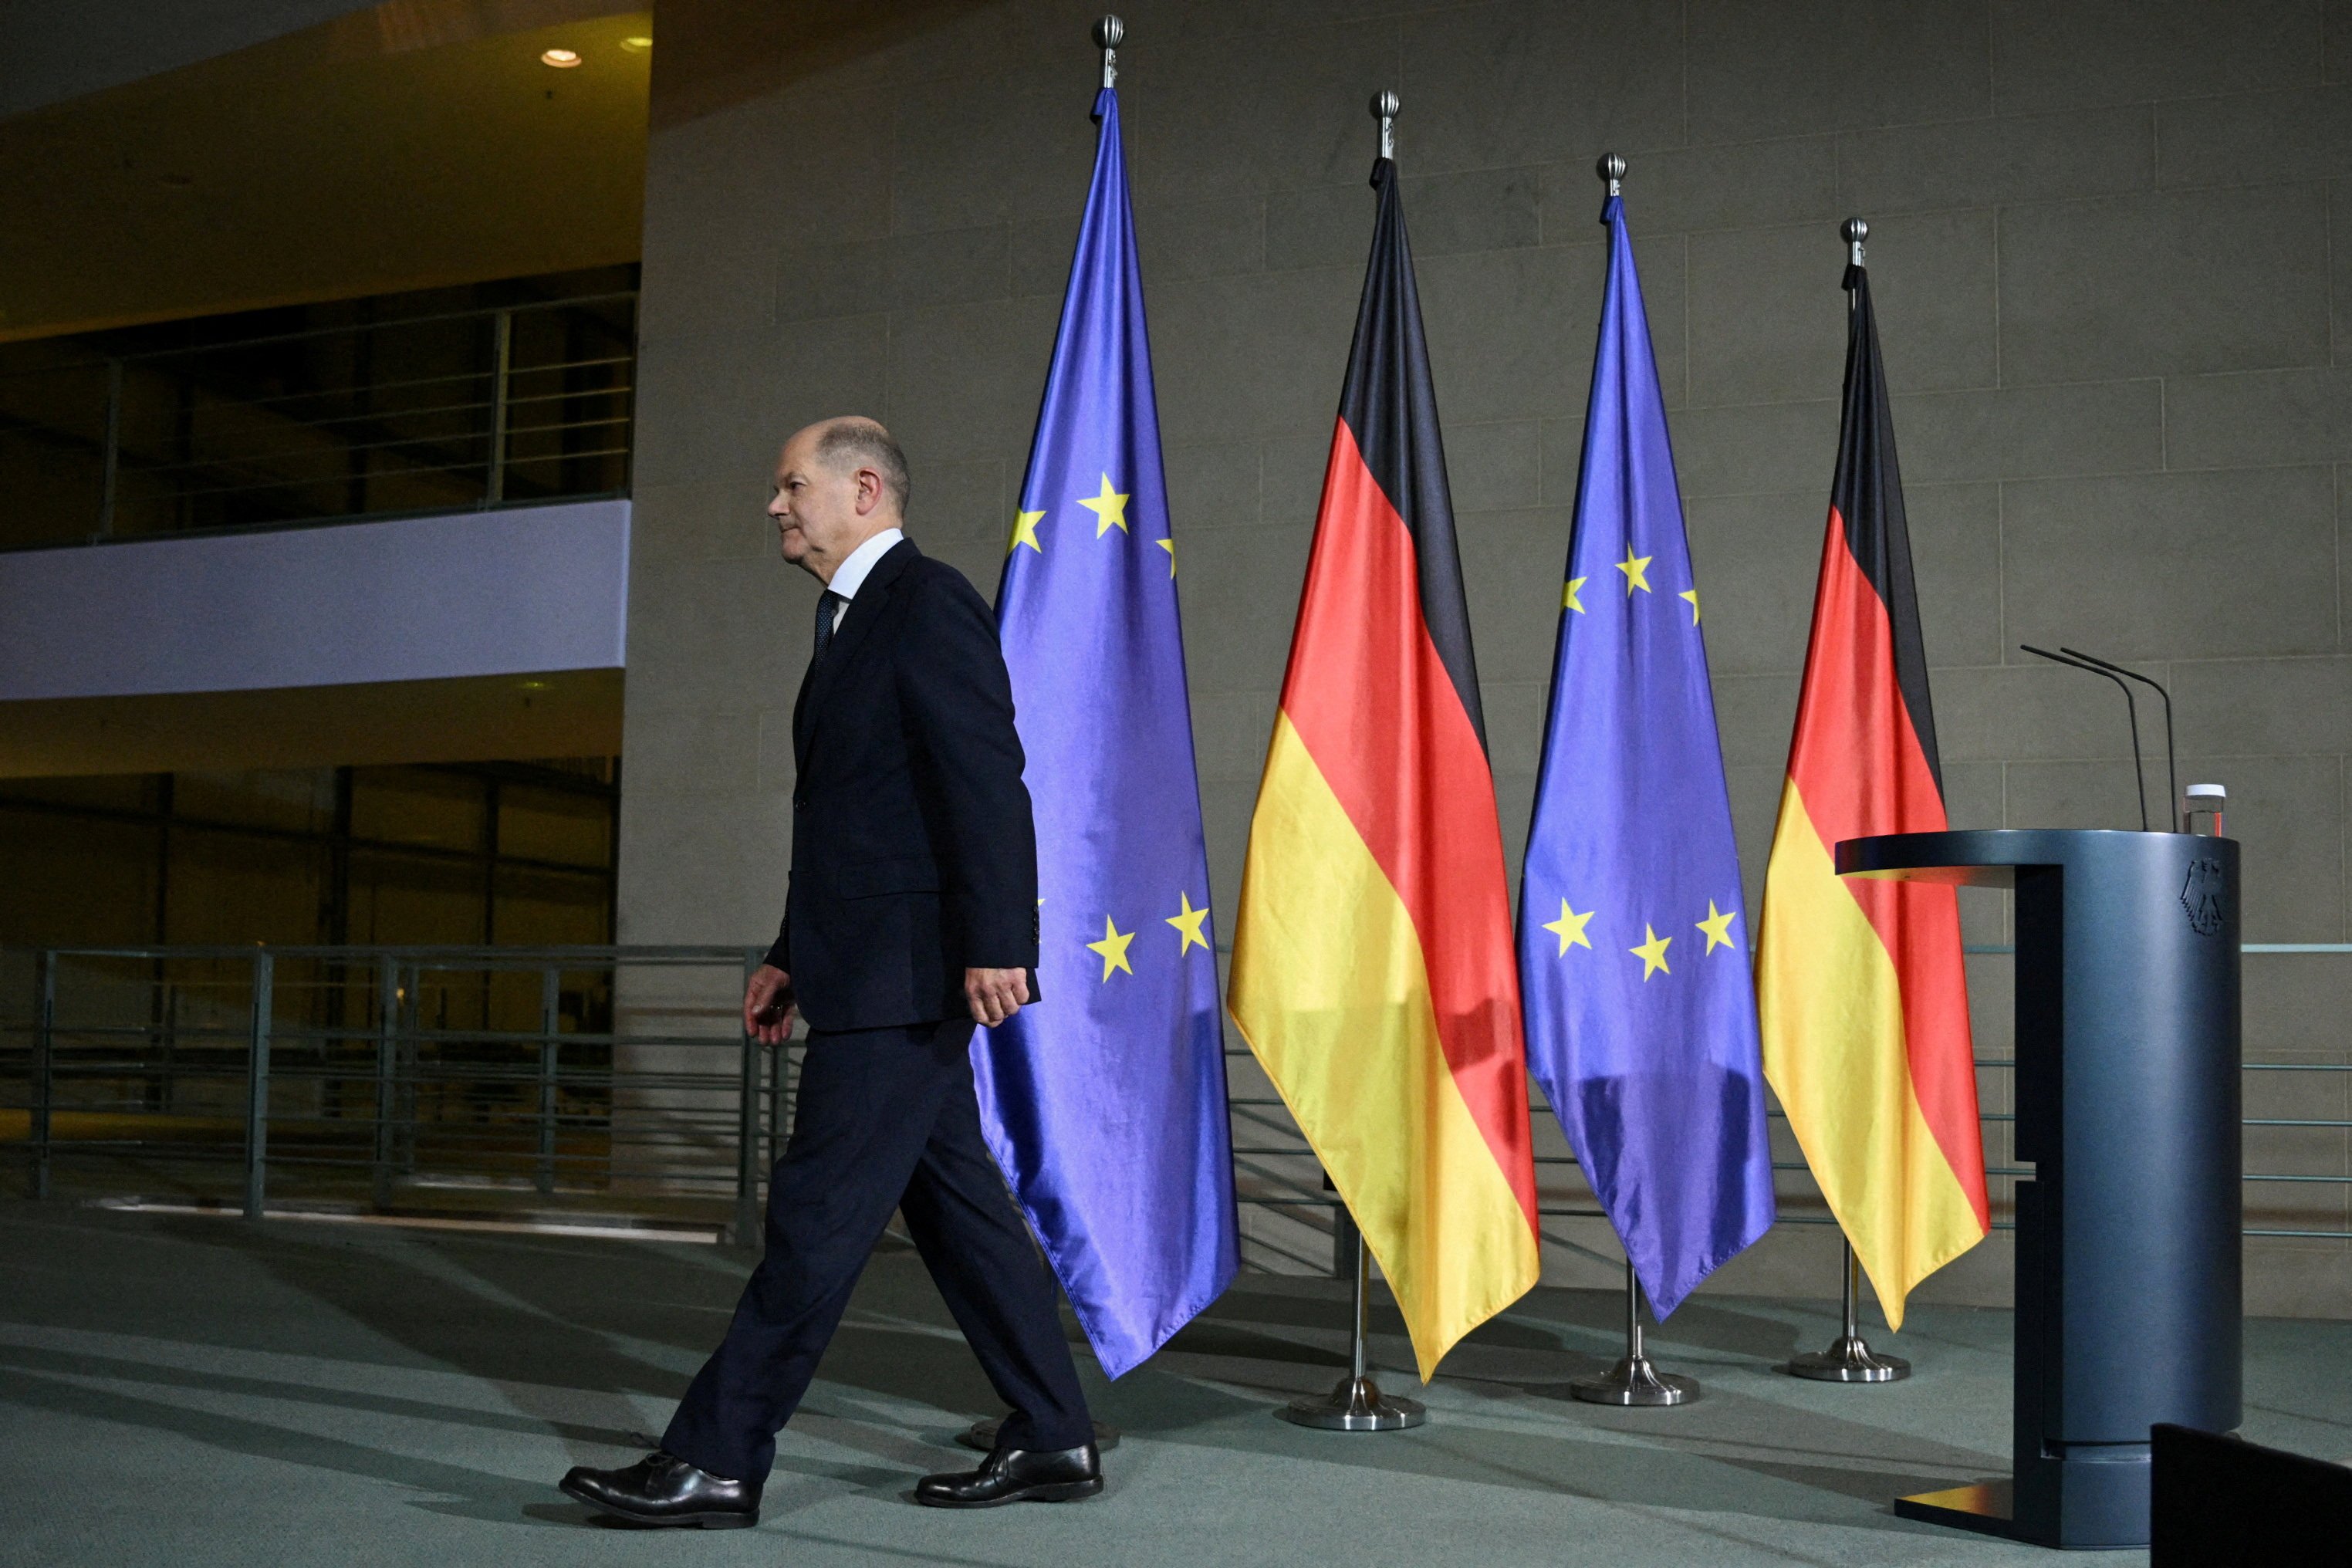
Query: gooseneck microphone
[[2171, 767], [2131, 709]]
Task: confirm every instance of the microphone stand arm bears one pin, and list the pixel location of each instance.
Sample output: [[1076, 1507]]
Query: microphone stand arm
[[2131, 708]]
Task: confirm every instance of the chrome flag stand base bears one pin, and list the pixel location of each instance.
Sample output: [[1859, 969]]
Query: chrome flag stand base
[[1849, 1359], [1634, 1379], [1356, 1403]]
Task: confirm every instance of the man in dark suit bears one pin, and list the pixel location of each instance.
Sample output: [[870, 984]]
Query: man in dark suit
[[911, 918]]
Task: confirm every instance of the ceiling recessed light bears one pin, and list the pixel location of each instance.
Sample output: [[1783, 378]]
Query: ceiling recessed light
[[637, 46], [561, 59]]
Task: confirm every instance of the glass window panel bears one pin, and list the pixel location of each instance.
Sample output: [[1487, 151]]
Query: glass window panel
[[113, 791], [554, 824], [418, 806], [304, 801], [552, 908], [414, 899], [75, 880], [243, 888]]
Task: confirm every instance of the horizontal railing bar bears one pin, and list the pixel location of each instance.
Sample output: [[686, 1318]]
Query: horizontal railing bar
[[427, 953], [478, 313], [190, 1040], [486, 374], [2003, 948], [330, 479], [2306, 1235], [552, 366], [376, 474], [341, 451], [228, 401], [325, 450], [516, 462], [515, 431], [468, 1101], [181, 495]]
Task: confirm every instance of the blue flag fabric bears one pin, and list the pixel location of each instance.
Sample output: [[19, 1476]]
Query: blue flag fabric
[[1105, 1102], [1634, 955]]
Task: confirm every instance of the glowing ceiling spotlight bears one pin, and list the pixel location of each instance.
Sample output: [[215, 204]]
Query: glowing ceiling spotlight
[[561, 59]]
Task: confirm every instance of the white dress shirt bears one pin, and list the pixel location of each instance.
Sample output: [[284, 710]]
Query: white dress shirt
[[850, 575]]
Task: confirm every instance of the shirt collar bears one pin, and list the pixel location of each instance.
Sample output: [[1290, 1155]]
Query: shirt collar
[[851, 575]]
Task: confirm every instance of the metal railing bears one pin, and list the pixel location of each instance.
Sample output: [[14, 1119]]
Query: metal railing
[[614, 1085], [474, 408]]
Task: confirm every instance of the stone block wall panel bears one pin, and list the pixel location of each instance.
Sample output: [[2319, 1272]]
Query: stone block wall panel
[[2111, 241]]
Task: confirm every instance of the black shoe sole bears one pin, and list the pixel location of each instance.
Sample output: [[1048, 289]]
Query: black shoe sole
[[660, 1521], [1052, 1491]]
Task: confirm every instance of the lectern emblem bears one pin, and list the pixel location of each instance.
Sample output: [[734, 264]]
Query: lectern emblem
[[2201, 897]]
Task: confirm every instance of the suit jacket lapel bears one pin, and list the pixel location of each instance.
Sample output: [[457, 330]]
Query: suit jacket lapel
[[808, 714]]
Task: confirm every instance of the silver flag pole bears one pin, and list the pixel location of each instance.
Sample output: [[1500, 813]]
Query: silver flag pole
[[1849, 1359], [1634, 1379], [1355, 1403]]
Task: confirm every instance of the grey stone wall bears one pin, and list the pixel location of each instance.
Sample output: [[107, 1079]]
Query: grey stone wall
[[2109, 244]]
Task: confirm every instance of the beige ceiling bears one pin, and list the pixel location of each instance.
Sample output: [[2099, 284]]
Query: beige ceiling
[[414, 144]]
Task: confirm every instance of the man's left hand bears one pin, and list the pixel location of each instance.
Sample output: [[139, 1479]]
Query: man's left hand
[[995, 995]]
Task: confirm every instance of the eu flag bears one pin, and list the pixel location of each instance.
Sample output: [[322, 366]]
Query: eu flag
[[1634, 955], [1105, 1102]]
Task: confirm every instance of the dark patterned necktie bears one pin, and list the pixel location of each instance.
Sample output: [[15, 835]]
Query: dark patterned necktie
[[827, 603]]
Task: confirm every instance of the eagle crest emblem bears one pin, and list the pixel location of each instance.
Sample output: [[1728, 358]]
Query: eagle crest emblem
[[2200, 895]]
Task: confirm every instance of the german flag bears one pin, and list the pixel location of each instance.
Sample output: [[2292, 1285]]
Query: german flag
[[1860, 989], [1373, 972]]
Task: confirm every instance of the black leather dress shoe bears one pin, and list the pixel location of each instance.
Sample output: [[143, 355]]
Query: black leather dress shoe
[[662, 1489], [1013, 1475]]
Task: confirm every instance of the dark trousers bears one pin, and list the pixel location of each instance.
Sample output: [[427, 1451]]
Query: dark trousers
[[886, 1119]]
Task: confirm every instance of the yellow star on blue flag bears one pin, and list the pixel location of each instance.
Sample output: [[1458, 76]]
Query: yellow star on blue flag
[[1109, 509]]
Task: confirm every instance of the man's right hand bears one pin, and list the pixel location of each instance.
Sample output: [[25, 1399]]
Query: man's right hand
[[768, 1005]]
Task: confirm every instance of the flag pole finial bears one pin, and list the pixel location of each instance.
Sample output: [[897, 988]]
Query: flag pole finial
[[1855, 231], [1108, 34], [1385, 105], [1611, 167]]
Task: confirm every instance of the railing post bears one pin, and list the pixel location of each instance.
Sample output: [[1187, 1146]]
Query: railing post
[[494, 489], [747, 1132], [550, 997], [780, 1063], [45, 1023], [170, 1074], [408, 1067], [112, 460], [387, 1023], [257, 1086]]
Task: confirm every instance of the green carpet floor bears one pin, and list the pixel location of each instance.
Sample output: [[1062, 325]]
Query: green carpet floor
[[191, 1392]]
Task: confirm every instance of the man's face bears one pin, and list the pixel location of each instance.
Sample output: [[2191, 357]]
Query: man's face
[[822, 513]]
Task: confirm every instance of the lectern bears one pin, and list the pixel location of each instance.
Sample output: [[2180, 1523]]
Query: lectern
[[2127, 1245]]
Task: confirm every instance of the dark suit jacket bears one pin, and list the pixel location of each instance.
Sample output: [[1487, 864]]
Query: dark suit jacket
[[914, 853]]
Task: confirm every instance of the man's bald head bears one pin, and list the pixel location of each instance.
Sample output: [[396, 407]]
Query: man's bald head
[[839, 482], [852, 441]]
